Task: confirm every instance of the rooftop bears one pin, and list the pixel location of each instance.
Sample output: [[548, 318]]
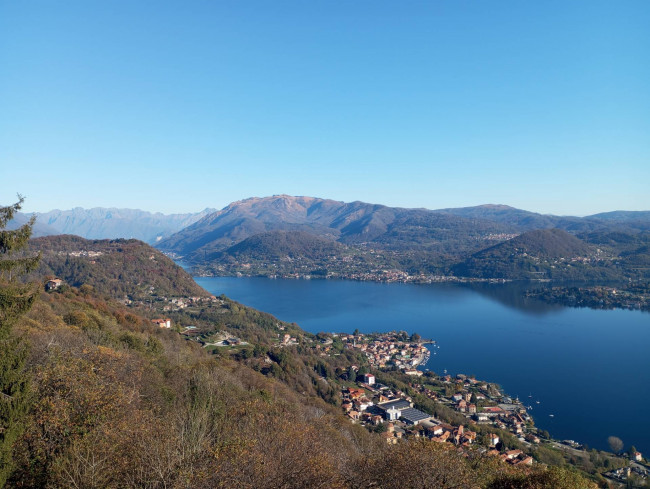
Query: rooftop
[[414, 415], [397, 404]]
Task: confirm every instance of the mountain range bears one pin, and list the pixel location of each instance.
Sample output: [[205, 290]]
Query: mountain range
[[283, 235], [253, 236], [110, 223]]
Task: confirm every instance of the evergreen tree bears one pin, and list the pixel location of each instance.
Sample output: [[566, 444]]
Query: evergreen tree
[[15, 300]]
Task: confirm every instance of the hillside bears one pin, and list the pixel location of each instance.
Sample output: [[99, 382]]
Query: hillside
[[276, 245], [377, 237], [112, 223], [278, 237], [525, 220], [625, 220], [623, 216], [118, 268], [540, 254], [349, 223], [117, 401]]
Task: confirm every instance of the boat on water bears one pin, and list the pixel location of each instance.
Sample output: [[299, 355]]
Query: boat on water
[[552, 415], [537, 402]]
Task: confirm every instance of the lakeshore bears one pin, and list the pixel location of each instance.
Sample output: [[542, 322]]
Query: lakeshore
[[492, 333]]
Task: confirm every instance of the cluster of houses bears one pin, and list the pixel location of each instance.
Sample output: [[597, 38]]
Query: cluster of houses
[[481, 403], [84, 253], [384, 406], [375, 405], [287, 340], [387, 350], [625, 473], [179, 303], [372, 404]]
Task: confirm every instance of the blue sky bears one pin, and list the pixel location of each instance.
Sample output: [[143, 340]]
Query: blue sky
[[177, 106]]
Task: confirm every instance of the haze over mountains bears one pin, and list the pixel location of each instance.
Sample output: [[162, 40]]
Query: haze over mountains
[[103, 223]]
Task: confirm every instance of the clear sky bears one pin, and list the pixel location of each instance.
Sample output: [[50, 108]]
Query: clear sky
[[176, 106]]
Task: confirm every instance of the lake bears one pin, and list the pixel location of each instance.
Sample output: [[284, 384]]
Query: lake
[[589, 368]]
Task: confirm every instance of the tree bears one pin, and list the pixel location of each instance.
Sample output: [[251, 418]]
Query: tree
[[15, 300], [615, 443]]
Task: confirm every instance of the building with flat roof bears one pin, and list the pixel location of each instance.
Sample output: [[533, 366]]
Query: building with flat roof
[[393, 409], [414, 416]]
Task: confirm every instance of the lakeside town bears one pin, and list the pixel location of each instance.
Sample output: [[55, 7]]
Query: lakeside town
[[460, 410]]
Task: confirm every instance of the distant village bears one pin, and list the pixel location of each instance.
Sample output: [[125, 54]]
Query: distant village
[[383, 275]]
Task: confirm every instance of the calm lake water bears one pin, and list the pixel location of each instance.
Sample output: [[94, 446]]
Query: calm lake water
[[589, 368]]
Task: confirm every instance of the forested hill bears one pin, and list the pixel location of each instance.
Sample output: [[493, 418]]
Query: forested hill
[[544, 243], [119, 402], [521, 219], [277, 245], [541, 254], [116, 268]]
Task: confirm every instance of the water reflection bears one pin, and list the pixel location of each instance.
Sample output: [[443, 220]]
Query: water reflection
[[565, 356], [513, 295]]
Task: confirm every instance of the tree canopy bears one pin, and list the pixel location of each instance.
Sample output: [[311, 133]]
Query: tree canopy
[[15, 300]]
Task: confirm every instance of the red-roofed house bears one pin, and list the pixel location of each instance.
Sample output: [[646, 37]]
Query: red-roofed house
[[163, 323]]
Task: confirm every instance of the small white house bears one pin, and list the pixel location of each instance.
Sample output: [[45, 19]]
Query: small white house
[[369, 379]]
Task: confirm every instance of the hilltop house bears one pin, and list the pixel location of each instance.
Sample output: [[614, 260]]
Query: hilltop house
[[53, 284], [163, 323]]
